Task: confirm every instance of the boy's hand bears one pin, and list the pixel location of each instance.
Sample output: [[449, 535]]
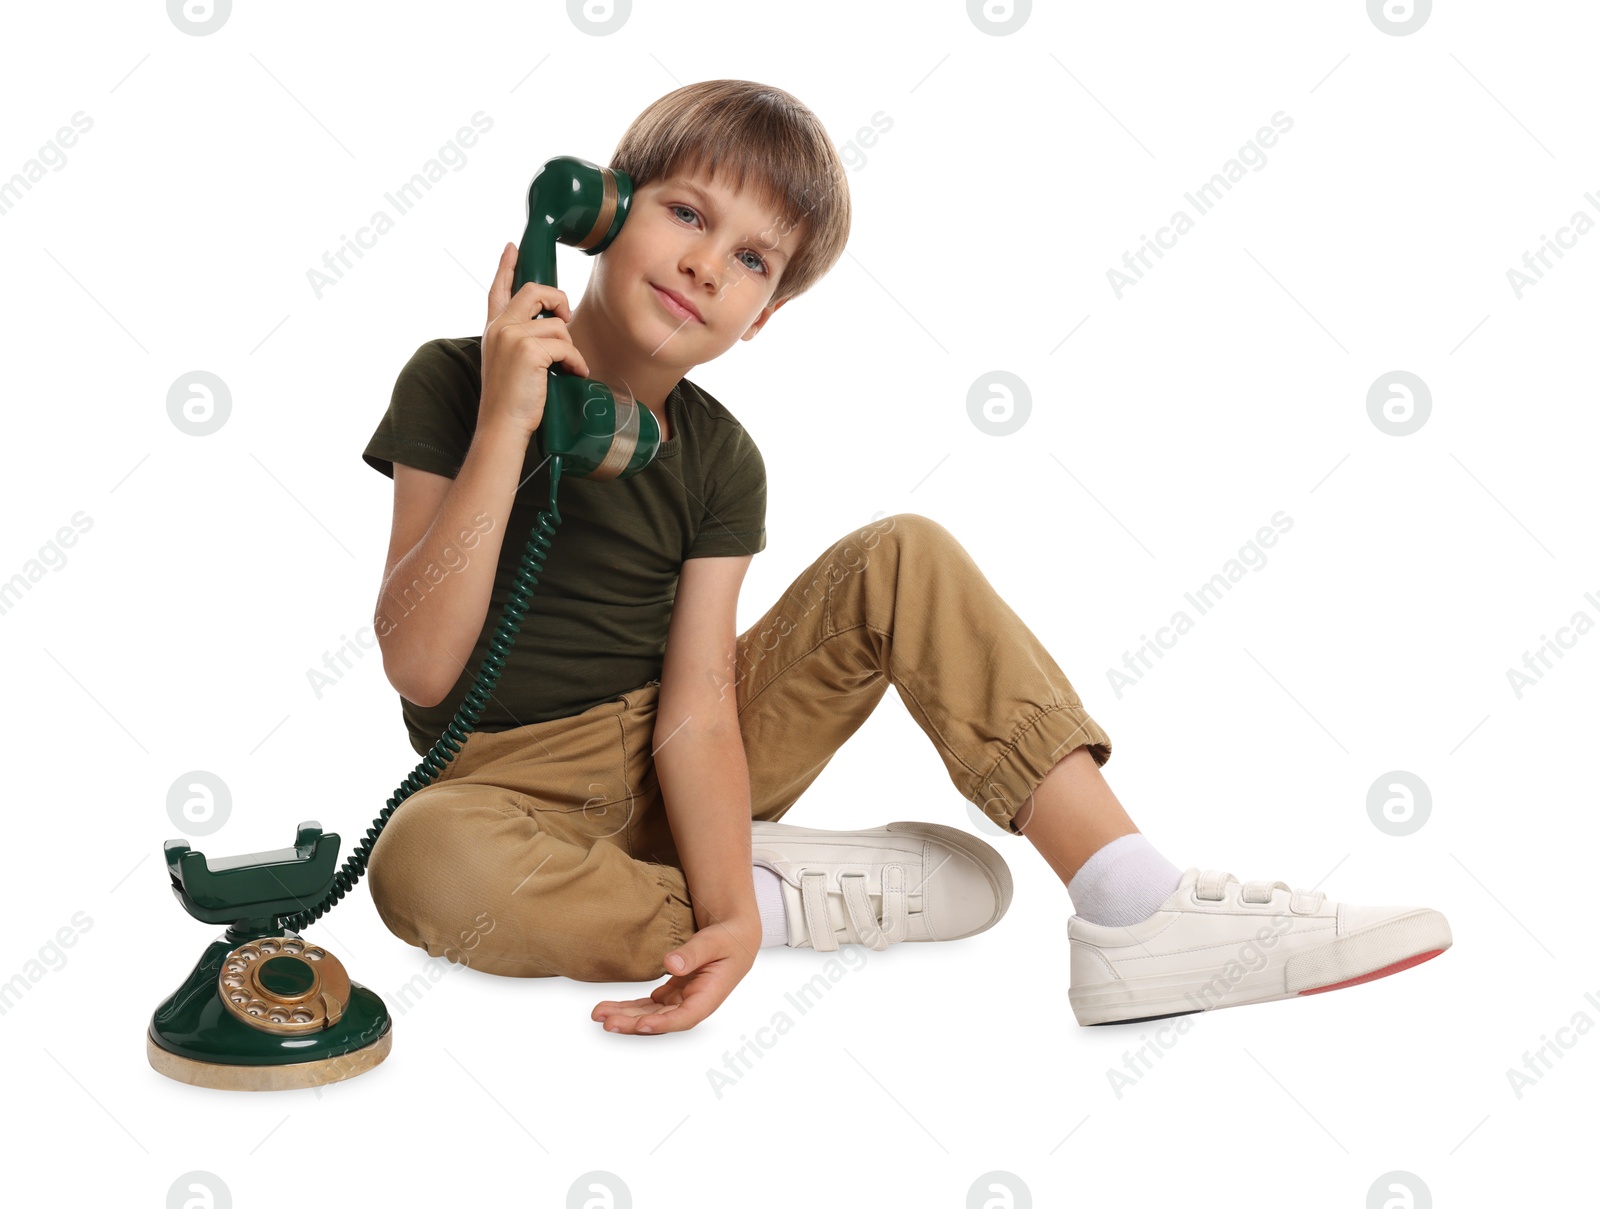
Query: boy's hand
[[519, 348], [713, 962]]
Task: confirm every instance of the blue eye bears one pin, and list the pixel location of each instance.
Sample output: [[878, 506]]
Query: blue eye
[[760, 265]]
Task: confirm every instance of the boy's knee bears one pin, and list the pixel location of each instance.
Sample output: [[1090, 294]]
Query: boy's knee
[[911, 529], [389, 866], [414, 847], [407, 831]]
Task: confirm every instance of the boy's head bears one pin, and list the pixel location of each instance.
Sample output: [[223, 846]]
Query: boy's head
[[739, 204]]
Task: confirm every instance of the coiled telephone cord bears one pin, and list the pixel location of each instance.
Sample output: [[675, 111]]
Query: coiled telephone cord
[[465, 722]]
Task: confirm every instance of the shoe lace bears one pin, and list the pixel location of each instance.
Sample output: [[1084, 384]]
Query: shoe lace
[[861, 926], [1212, 884]]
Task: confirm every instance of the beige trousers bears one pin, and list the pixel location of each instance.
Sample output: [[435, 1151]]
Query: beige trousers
[[545, 849]]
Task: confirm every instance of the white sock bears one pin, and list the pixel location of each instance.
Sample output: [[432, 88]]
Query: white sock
[[769, 901], [1123, 883]]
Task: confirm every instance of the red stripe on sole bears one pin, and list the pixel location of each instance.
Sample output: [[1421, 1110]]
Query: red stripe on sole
[[1378, 973]]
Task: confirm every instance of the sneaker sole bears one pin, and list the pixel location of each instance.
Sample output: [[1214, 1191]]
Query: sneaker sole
[[985, 857], [1373, 953]]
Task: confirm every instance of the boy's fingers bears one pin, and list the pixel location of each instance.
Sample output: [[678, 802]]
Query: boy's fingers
[[675, 1019], [500, 288], [524, 306], [685, 957], [606, 1006]]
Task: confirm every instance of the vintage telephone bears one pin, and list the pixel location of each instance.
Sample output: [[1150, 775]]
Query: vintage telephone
[[264, 1009]]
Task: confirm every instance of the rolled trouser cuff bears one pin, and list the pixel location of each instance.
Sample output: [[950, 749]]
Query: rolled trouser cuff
[[1041, 743]]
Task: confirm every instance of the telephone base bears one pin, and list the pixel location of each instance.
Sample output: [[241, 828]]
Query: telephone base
[[296, 1019], [225, 1077]]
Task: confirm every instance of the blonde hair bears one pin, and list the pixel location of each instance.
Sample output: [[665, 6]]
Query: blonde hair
[[759, 134]]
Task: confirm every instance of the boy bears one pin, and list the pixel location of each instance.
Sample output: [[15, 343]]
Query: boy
[[614, 815]]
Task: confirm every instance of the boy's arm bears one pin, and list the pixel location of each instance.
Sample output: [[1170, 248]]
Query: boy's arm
[[705, 785], [699, 754], [435, 598], [428, 619]]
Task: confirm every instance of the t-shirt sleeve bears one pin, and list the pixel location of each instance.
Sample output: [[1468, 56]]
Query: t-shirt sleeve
[[432, 414], [735, 520]]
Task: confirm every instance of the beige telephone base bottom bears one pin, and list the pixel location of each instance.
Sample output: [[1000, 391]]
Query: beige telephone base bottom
[[224, 1077]]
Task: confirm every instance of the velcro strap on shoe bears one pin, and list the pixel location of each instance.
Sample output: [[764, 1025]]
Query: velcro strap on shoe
[[1210, 884], [1305, 902], [814, 897], [896, 906], [859, 909], [1261, 892]]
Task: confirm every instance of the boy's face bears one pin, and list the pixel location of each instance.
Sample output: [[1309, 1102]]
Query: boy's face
[[720, 251]]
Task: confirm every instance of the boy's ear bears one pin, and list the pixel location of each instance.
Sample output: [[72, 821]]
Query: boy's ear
[[761, 319]]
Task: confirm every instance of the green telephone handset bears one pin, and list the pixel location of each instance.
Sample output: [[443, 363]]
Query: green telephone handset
[[264, 1009]]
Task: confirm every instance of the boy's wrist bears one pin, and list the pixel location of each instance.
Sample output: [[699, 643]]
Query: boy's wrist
[[739, 916], [502, 434]]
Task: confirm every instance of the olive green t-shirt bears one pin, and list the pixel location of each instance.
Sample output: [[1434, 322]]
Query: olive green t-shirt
[[596, 624]]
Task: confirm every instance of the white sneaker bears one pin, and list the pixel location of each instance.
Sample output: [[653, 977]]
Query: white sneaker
[[898, 882], [1216, 943]]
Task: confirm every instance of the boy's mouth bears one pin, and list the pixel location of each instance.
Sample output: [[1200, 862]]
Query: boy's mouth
[[677, 304]]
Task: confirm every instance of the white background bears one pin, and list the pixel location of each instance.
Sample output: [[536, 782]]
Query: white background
[[177, 633]]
